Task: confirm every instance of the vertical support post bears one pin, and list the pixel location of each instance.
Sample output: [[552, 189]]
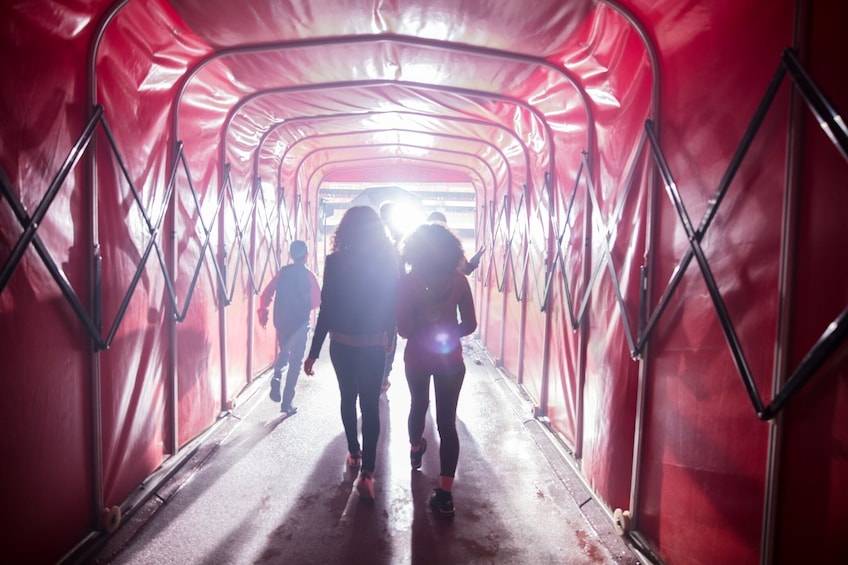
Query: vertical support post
[[222, 290], [279, 223], [251, 299], [542, 410], [323, 210], [485, 289], [96, 399], [522, 328], [487, 218], [504, 295], [583, 327], [171, 250], [647, 280], [788, 236], [95, 295], [95, 268]]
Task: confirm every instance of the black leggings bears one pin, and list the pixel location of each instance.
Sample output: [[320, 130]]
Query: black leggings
[[447, 389], [359, 371]]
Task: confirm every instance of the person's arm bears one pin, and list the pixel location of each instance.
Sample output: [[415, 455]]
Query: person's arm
[[265, 300], [463, 266], [474, 262], [467, 316], [468, 267]]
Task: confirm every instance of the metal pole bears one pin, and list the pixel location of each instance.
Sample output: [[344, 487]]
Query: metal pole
[[542, 409], [222, 289], [791, 195], [504, 296], [95, 268], [251, 298]]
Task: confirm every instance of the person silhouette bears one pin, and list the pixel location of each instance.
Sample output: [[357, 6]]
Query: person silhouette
[[429, 297], [295, 293], [358, 301]]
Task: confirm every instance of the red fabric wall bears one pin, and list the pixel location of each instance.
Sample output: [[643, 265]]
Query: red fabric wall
[[701, 452], [813, 477], [705, 452], [45, 384]]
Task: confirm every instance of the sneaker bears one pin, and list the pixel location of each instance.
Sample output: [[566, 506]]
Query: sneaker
[[416, 456], [290, 410], [441, 501], [275, 390], [365, 486], [354, 460]]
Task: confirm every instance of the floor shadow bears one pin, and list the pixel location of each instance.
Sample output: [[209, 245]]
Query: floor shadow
[[278, 490]]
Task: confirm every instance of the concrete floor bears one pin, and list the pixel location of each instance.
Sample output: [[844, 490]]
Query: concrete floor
[[265, 488]]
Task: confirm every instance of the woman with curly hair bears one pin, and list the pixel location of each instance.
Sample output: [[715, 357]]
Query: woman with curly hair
[[429, 296], [358, 300]]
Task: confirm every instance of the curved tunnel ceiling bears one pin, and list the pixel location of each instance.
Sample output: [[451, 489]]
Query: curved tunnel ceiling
[[351, 116], [399, 142], [367, 95], [498, 139], [497, 90]]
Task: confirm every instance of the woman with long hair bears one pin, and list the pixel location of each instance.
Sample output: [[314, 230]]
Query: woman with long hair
[[429, 297], [358, 299]]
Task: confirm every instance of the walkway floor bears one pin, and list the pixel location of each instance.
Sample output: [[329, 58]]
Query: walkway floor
[[265, 488]]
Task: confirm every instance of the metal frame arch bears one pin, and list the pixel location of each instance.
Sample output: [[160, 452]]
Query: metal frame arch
[[328, 117], [649, 255], [331, 117], [384, 38], [447, 165], [307, 189], [545, 126], [416, 41], [427, 133]]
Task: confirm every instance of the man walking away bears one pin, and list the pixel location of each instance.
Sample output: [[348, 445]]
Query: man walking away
[[295, 293]]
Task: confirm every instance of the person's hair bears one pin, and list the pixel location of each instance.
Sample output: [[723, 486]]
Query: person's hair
[[360, 229], [298, 250], [436, 216], [432, 249]]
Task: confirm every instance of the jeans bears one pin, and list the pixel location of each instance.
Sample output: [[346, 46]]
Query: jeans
[[291, 353], [359, 371], [447, 387]]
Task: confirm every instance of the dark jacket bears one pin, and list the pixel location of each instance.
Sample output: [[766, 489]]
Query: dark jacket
[[358, 296]]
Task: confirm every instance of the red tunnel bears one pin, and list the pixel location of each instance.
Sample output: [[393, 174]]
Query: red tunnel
[[656, 183]]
